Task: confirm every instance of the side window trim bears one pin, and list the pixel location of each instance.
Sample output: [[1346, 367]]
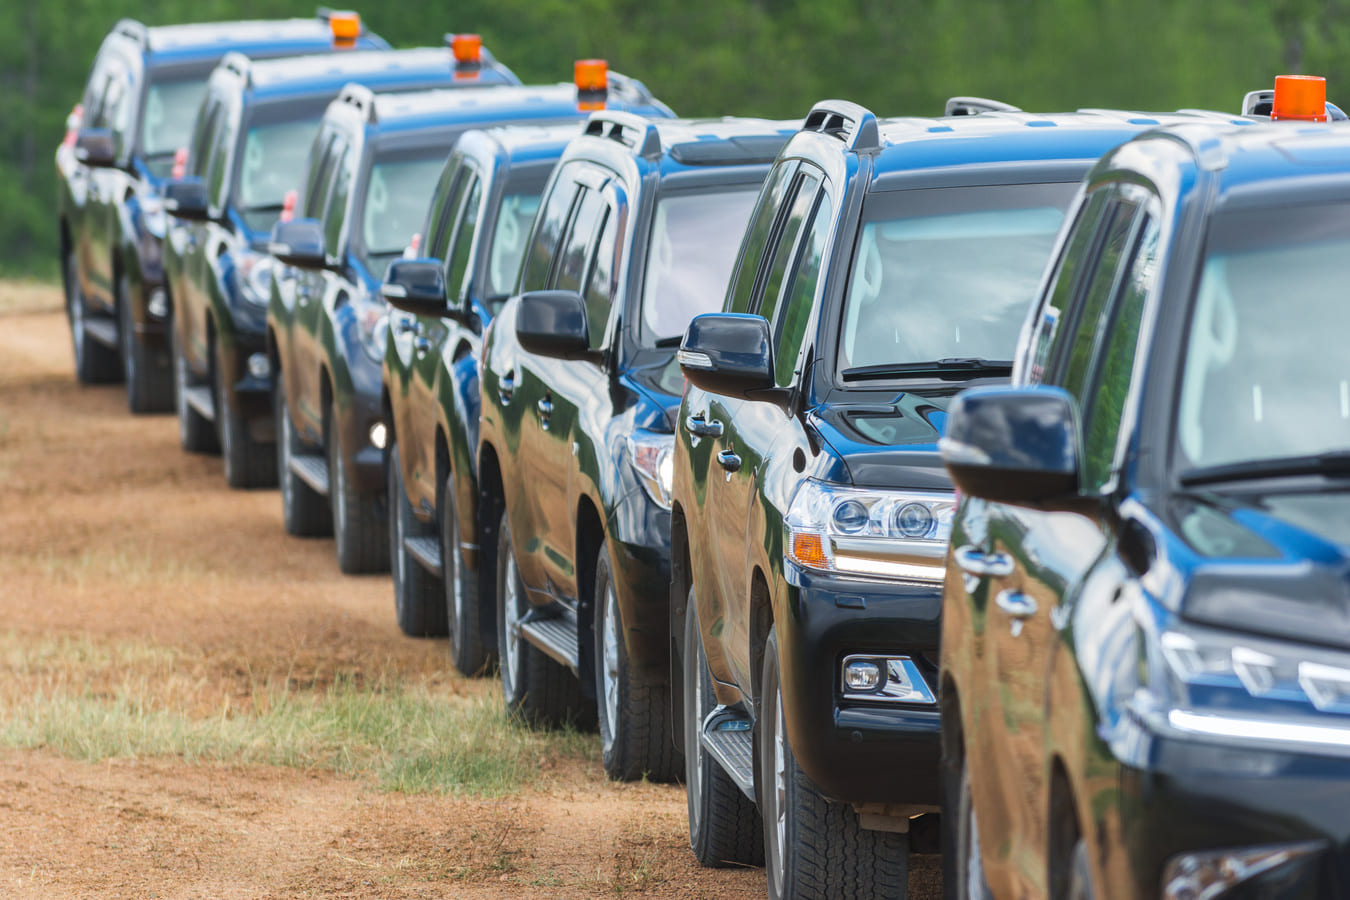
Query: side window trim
[[775, 235], [470, 177]]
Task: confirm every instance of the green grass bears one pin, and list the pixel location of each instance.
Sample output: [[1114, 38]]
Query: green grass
[[93, 702]]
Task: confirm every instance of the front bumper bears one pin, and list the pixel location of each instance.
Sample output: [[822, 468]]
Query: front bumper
[[856, 751]]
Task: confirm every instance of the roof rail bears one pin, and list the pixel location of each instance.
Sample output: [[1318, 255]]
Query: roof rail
[[239, 64], [973, 106], [359, 98], [628, 129], [131, 28], [855, 125]]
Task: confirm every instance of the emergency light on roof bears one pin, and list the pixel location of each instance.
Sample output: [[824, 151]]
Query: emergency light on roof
[[1300, 98], [592, 80], [467, 48], [345, 25]]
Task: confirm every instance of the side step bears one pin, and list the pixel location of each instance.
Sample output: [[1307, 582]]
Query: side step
[[728, 738], [312, 469], [102, 330], [201, 401], [556, 636], [427, 552]]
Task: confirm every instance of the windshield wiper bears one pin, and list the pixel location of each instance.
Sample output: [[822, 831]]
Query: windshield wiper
[[1336, 462], [952, 367]]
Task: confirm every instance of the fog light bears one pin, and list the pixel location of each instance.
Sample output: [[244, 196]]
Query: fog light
[[1202, 876], [862, 675], [378, 435], [158, 304], [258, 366]]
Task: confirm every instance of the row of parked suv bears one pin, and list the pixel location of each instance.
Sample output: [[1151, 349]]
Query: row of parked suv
[[664, 421]]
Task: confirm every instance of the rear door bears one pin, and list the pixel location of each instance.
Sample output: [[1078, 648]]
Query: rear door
[[109, 185]]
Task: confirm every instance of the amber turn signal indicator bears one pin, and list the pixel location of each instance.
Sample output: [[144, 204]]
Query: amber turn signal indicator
[[467, 48], [1300, 98], [809, 550]]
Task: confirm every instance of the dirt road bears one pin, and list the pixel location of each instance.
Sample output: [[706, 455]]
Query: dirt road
[[165, 645]]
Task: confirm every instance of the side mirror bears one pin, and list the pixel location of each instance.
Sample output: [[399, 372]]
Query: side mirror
[[299, 243], [553, 323], [729, 354], [1013, 444], [416, 286], [94, 147], [186, 199]]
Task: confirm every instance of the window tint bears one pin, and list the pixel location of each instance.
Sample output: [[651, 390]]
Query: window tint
[[508, 242], [1104, 401], [200, 153], [221, 143], [572, 268], [457, 266], [754, 246], [322, 157], [435, 235], [786, 242], [790, 320], [444, 216], [1090, 311], [1079, 245], [548, 231], [600, 286], [336, 211]]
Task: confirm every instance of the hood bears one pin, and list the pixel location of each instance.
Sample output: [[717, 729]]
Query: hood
[[888, 441], [1275, 564]]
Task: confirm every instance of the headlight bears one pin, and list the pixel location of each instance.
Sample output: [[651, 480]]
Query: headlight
[[886, 534], [253, 272], [651, 455], [372, 323]]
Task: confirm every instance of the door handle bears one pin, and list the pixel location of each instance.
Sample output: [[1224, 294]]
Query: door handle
[[507, 386], [699, 426], [421, 344], [409, 326], [1018, 606], [545, 408], [977, 562], [728, 460]]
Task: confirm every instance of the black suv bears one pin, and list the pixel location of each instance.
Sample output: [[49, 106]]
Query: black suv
[[143, 90], [374, 162], [579, 388], [886, 266], [1146, 621], [255, 129]]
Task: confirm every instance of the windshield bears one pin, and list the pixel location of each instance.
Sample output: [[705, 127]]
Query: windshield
[[273, 160], [508, 241], [948, 272], [1266, 373], [689, 258], [166, 123], [395, 204]]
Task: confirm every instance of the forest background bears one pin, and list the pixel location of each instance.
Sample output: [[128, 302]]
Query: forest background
[[729, 57]]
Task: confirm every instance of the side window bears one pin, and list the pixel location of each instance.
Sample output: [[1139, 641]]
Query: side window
[[784, 243], [320, 170], [222, 142], [1065, 279], [443, 217], [457, 266], [1103, 402], [753, 248], [794, 312], [117, 108], [548, 230], [600, 286], [575, 255], [199, 154], [336, 211]]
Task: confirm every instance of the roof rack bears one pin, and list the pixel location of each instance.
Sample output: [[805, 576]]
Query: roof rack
[[855, 125], [131, 28], [973, 106], [361, 99], [627, 129], [239, 64], [1258, 103]]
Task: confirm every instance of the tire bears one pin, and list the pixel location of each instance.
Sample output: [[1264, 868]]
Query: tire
[[417, 594], [724, 825], [248, 463], [814, 848], [360, 524], [196, 433], [634, 710], [535, 688], [304, 510], [463, 607], [94, 363], [149, 390], [966, 881]]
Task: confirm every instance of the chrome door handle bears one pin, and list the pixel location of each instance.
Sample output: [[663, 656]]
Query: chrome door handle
[[545, 408], [728, 460], [977, 562], [1018, 606], [507, 386], [698, 425], [421, 344], [409, 326]]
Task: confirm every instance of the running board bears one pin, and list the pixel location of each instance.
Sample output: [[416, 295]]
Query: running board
[[200, 400], [427, 552], [556, 636], [102, 330], [728, 738], [312, 469]]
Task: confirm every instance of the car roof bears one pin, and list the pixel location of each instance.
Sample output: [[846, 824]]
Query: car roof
[[203, 41], [689, 144], [422, 67]]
